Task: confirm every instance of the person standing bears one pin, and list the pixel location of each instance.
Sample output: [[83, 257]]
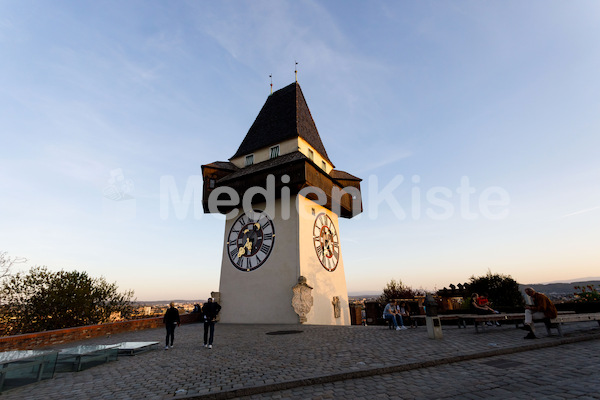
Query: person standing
[[210, 310], [542, 308], [171, 320]]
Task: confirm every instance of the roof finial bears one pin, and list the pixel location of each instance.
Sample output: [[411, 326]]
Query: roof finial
[[271, 76], [296, 70]]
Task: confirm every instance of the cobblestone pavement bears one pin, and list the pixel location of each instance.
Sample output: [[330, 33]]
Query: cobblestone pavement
[[337, 362], [570, 371]]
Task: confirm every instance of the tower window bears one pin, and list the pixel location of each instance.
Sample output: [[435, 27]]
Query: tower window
[[249, 159], [323, 165], [275, 151], [211, 183], [311, 155]]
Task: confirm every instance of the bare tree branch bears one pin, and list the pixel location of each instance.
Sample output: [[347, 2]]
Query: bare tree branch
[[6, 263]]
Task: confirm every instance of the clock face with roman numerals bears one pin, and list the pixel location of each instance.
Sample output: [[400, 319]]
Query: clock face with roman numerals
[[326, 241], [250, 241]]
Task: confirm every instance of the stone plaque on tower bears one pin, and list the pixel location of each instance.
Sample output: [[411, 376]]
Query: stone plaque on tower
[[282, 260]]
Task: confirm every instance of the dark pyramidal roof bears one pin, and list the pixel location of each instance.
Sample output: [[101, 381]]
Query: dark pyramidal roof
[[285, 115]]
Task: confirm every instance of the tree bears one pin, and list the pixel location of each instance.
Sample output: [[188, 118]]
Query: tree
[[42, 300], [502, 290], [6, 263], [397, 290]]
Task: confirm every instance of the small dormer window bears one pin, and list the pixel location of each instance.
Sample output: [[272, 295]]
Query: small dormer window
[[211, 183], [323, 165], [249, 159], [275, 151], [311, 155]]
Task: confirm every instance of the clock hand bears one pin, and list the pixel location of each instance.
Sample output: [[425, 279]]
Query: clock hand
[[242, 249], [257, 225], [331, 247]]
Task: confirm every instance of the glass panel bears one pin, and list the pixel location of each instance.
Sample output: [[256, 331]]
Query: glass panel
[[87, 349], [131, 348], [23, 367], [20, 355], [82, 357], [135, 345]]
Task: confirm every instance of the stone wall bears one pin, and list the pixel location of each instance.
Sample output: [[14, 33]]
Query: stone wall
[[40, 339]]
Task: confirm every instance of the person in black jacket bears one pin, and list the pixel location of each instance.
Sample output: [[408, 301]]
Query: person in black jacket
[[171, 320], [210, 311]]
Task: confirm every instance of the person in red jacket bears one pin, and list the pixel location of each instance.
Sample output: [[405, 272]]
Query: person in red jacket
[[542, 308]]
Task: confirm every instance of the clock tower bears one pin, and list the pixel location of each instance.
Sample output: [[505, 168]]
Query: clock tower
[[282, 261]]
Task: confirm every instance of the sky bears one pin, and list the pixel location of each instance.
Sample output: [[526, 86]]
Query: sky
[[474, 126]]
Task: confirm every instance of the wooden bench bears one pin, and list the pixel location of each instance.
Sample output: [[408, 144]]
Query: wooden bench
[[516, 318], [442, 317], [477, 319], [564, 318], [480, 320]]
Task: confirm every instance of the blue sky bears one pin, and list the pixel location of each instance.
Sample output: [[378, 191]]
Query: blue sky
[[502, 94]]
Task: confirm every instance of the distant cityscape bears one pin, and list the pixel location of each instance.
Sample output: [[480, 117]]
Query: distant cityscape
[[149, 309], [561, 292], [557, 292]]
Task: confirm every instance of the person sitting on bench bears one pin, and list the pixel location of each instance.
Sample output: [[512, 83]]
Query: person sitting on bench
[[403, 314], [542, 308], [389, 314], [480, 308]]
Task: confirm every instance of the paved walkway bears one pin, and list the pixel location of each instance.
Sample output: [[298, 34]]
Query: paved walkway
[[340, 362]]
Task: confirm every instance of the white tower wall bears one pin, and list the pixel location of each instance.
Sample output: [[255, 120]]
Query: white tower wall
[[325, 284], [264, 295]]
